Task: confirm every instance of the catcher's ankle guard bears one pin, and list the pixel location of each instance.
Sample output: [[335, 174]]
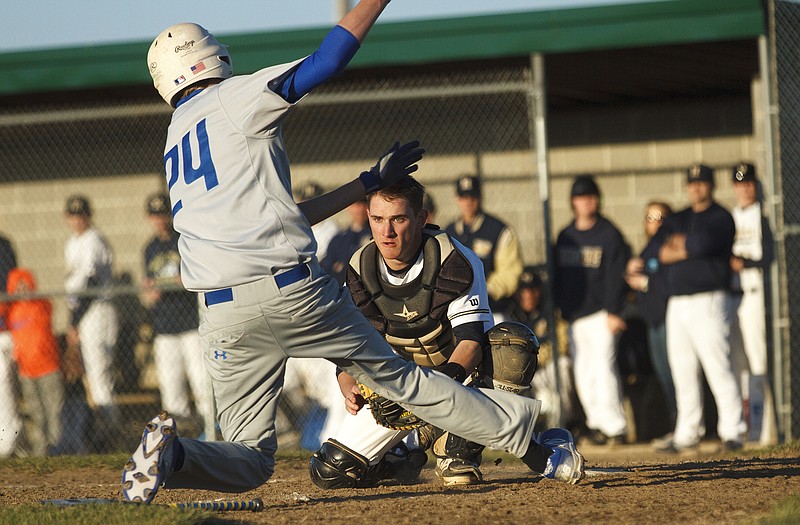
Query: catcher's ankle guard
[[334, 466], [451, 446]]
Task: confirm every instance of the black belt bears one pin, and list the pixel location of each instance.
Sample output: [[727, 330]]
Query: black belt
[[286, 278]]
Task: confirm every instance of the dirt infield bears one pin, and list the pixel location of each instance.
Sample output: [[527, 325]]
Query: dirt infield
[[628, 484]]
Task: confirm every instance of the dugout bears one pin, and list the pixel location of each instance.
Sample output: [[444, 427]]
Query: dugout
[[632, 93]]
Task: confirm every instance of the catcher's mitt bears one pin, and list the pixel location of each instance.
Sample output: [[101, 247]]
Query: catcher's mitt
[[388, 413]]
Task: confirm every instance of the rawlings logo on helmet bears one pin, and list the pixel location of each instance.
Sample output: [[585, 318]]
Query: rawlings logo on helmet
[[185, 46]]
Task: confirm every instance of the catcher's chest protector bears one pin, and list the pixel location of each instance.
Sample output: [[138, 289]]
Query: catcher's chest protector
[[413, 316]]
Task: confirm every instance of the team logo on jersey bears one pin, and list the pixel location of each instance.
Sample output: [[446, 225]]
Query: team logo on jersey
[[592, 256], [482, 247], [582, 257], [405, 314]]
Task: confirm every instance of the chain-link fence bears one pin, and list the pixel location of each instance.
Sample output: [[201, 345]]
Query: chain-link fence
[[785, 69], [472, 120]]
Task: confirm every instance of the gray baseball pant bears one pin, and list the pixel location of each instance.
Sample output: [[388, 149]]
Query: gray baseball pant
[[248, 342]]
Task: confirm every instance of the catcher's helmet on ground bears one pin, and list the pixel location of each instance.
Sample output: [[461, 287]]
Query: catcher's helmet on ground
[[184, 54], [512, 357]]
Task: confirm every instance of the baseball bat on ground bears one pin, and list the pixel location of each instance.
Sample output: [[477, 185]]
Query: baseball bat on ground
[[254, 505]]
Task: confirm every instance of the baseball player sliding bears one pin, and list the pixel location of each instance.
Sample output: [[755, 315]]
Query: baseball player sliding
[[249, 250]]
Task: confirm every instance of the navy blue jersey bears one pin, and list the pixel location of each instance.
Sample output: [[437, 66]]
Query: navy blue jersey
[[653, 303], [709, 244], [482, 239], [8, 261], [590, 270], [341, 248], [176, 311]]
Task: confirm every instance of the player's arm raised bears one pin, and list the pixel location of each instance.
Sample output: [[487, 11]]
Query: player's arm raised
[[361, 18], [336, 50]]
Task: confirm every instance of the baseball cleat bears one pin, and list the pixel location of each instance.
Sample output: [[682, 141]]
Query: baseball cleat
[[732, 445], [566, 463], [670, 447], [151, 463], [456, 471]]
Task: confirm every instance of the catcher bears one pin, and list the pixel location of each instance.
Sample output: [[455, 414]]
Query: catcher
[[426, 293]]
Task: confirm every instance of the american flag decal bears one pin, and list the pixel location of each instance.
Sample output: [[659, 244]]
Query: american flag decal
[[198, 68]]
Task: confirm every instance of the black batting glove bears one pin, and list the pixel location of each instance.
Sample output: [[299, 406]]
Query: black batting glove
[[398, 162]]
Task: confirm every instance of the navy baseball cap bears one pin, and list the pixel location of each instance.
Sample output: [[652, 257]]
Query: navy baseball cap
[[158, 204], [309, 190], [584, 185], [468, 186], [699, 173], [78, 205], [530, 278], [743, 172]]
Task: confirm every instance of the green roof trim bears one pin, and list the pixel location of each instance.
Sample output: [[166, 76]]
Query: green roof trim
[[467, 38]]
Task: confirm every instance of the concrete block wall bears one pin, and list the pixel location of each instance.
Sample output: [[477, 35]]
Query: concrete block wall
[[33, 219], [629, 176]]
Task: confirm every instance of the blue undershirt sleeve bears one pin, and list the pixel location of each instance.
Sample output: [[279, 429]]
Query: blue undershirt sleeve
[[472, 331], [337, 49]]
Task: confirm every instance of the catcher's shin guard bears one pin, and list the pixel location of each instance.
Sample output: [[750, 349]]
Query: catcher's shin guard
[[458, 460], [400, 463], [449, 445], [454, 471], [334, 466]]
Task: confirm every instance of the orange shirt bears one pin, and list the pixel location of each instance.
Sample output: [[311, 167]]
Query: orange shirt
[[30, 324]]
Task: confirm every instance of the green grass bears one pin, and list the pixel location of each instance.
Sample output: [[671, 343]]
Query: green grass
[[110, 514], [44, 465], [786, 512]]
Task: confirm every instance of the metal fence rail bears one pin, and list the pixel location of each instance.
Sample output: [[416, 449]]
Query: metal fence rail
[[785, 69]]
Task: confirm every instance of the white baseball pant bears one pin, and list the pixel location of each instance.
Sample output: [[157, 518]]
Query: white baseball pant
[[178, 359], [362, 434], [749, 345], [10, 423], [98, 335], [698, 332], [594, 359], [316, 378]]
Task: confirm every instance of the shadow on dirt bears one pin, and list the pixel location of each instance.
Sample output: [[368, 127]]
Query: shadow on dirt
[[694, 471]]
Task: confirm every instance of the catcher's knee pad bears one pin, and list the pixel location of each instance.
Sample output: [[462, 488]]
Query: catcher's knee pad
[[449, 445], [334, 466], [511, 359]]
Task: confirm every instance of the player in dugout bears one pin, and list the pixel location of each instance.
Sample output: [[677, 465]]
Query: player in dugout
[[248, 249]]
